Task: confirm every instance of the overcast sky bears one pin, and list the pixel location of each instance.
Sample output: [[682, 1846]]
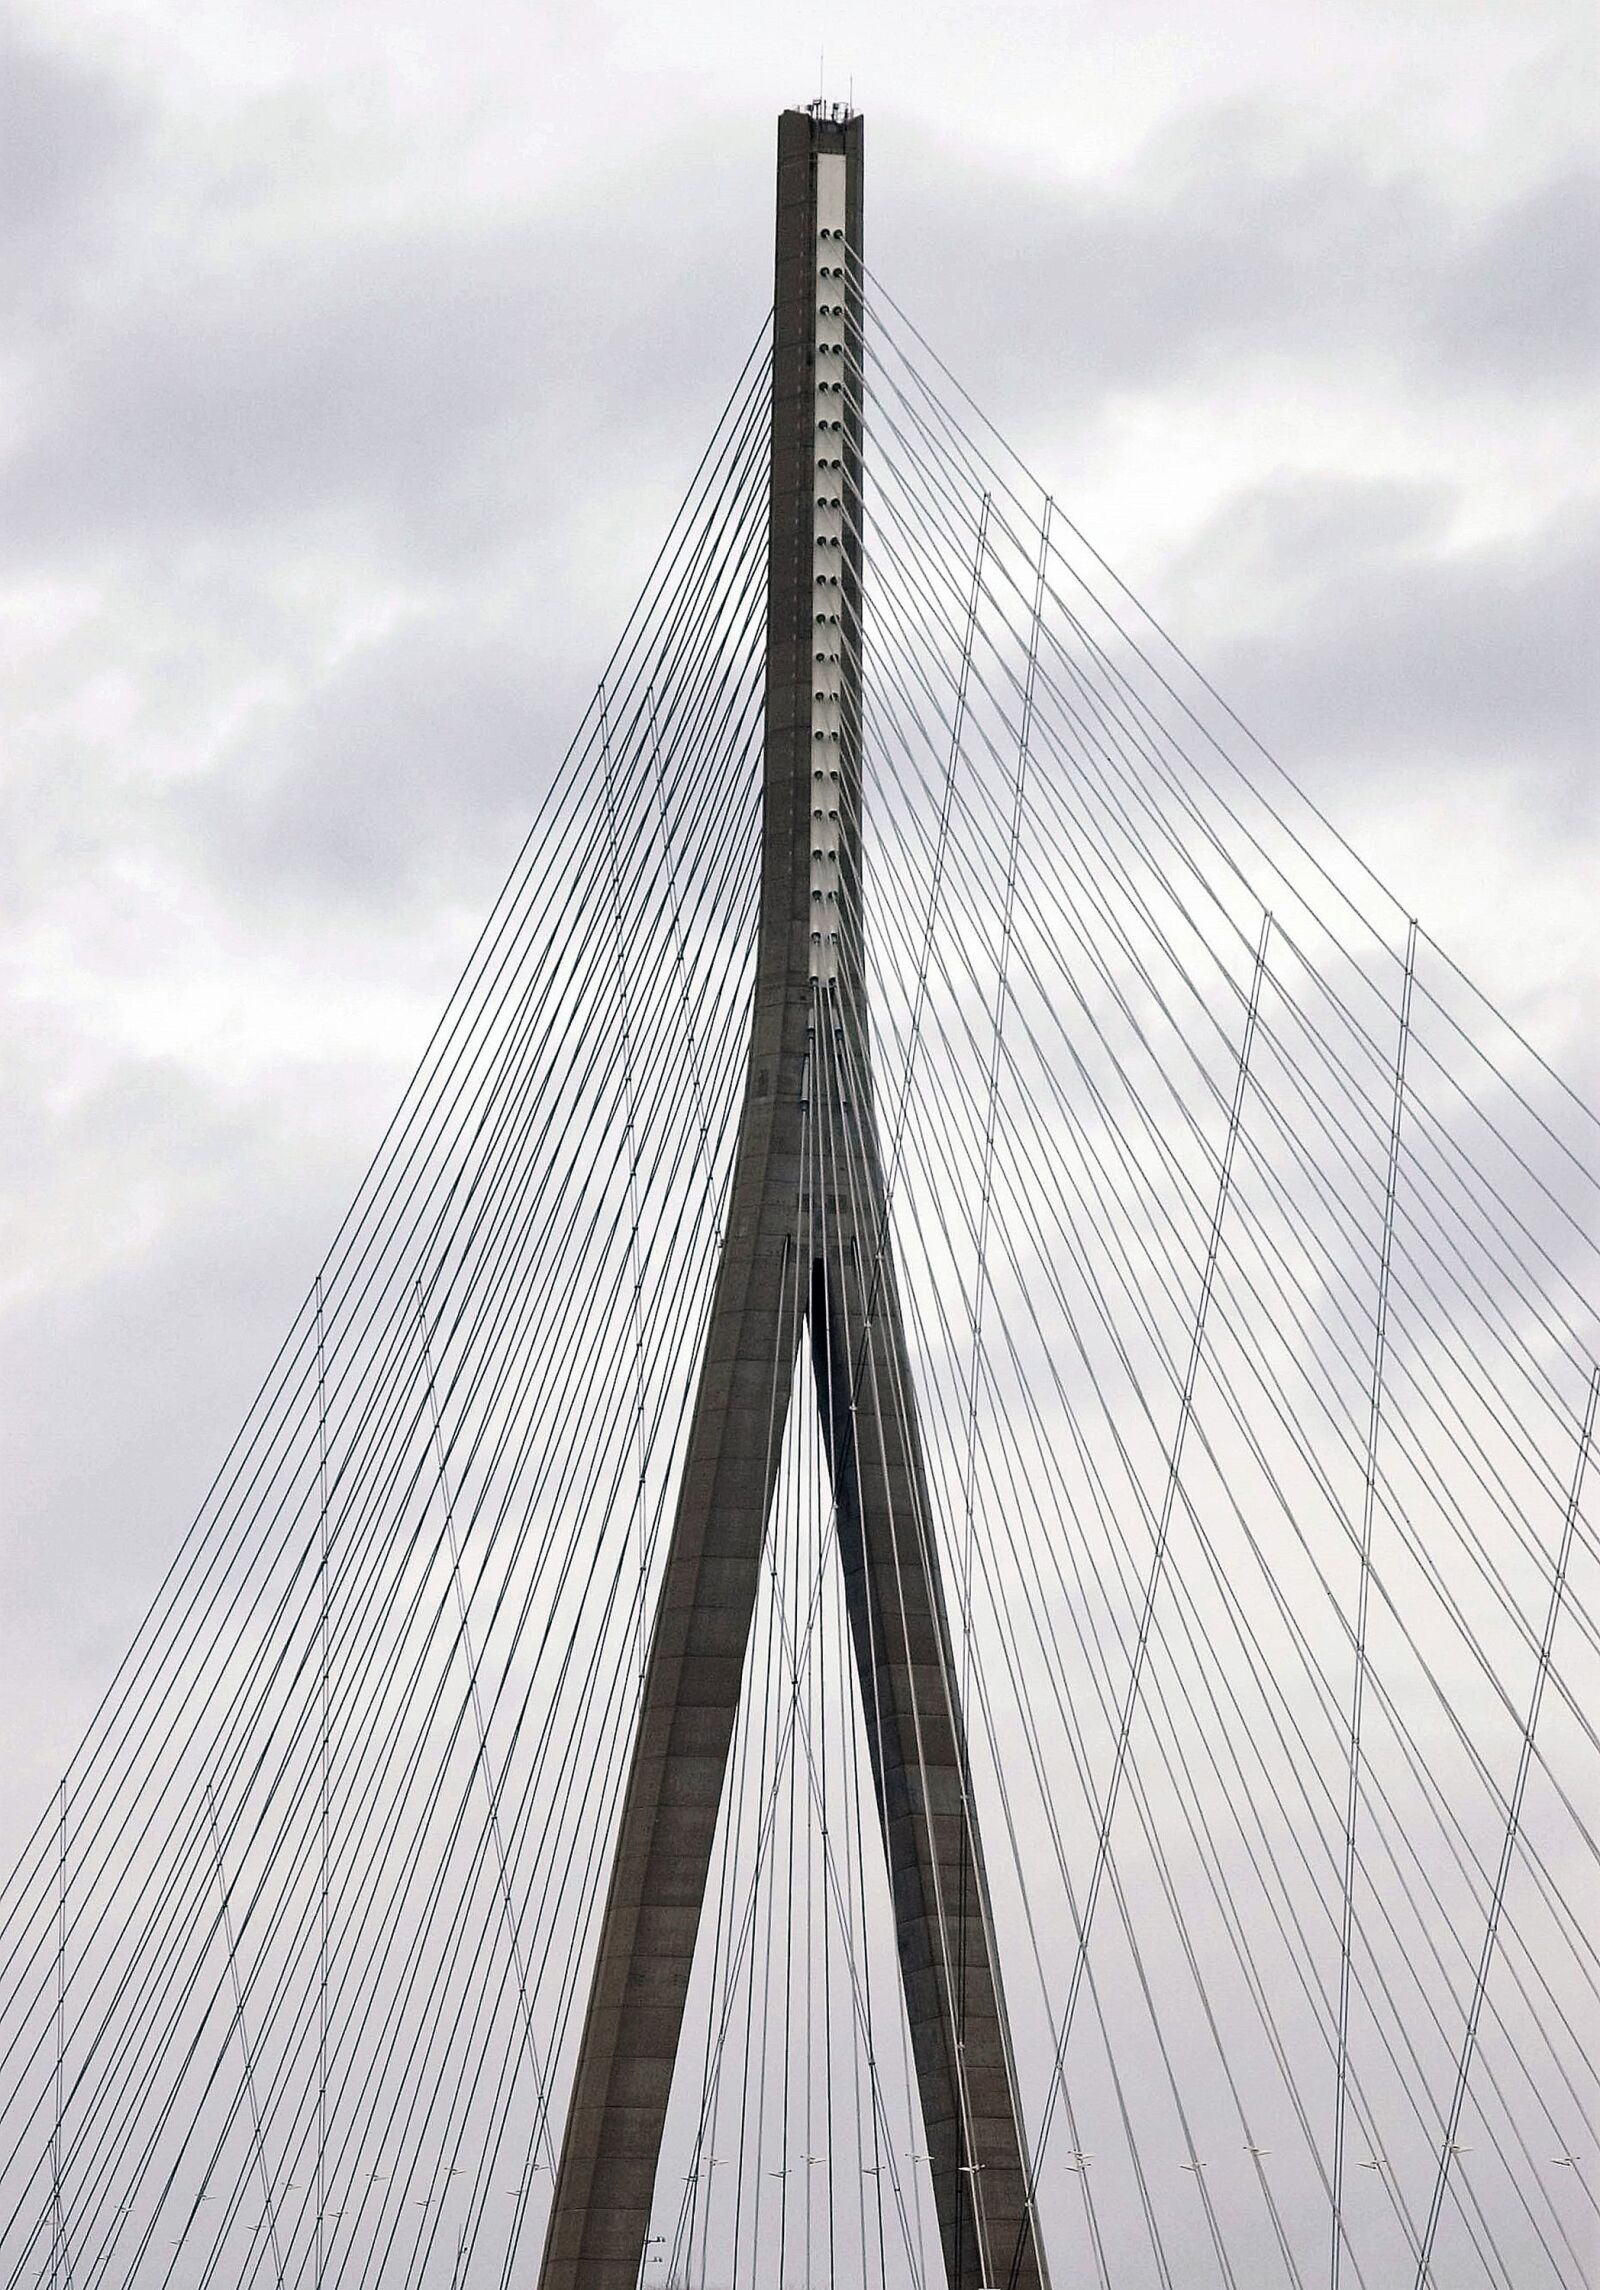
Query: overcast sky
[[353, 358]]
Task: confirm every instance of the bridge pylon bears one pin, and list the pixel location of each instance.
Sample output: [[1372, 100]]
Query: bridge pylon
[[805, 1256]]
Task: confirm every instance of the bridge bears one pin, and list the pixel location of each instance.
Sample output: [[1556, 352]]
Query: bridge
[[914, 1602]]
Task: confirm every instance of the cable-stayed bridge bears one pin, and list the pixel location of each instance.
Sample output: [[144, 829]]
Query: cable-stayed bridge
[[915, 1600]]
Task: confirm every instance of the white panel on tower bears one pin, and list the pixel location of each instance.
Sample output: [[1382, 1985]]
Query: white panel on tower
[[830, 365]]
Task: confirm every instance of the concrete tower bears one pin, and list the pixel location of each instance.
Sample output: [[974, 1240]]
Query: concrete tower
[[805, 1252]]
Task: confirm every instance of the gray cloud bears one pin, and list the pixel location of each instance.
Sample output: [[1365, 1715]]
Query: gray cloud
[[172, 1228], [1240, 234], [66, 131], [1362, 636], [435, 385], [445, 395], [417, 754], [1521, 303], [449, 377]]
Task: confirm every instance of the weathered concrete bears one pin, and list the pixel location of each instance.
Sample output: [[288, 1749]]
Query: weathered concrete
[[801, 1242]]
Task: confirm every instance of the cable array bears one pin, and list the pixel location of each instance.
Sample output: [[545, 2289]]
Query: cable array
[[1247, 1261], [1279, 1240], [288, 1971]]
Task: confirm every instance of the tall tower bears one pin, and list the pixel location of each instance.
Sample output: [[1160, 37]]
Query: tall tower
[[806, 1253]]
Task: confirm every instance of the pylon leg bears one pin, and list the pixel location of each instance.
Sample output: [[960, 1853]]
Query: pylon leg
[[921, 1779], [612, 2139]]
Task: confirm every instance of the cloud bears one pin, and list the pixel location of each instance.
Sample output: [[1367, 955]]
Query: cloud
[[1435, 692], [1520, 304], [1243, 233], [427, 385], [438, 375], [417, 752], [66, 131], [162, 1235], [1364, 635]]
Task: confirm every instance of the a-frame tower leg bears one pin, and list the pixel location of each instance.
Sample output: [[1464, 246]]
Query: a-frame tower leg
[[943, 1926], [805, 1238]]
